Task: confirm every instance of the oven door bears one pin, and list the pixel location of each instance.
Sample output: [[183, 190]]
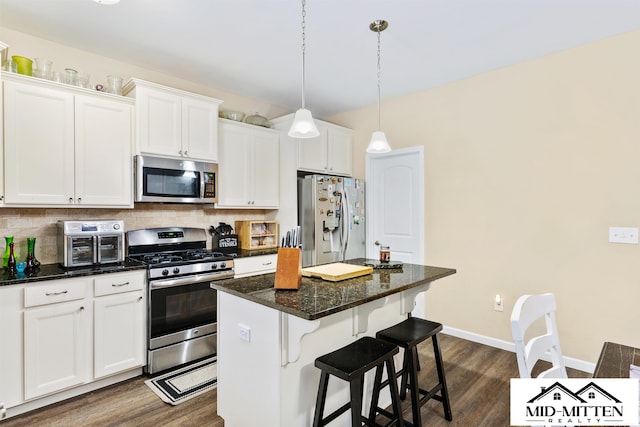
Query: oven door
[[180, 313]]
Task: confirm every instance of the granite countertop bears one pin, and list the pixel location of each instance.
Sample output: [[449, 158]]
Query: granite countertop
[[318, 298], [55, 272]]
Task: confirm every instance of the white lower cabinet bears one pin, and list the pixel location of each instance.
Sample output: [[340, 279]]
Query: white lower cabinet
[[119, 325], [55, 347], [58, 335]]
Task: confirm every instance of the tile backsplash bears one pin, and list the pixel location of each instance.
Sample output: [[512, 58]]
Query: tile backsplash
[[41, 223]]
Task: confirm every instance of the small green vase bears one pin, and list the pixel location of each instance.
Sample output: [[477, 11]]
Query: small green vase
[[5, 256], [32, 261]]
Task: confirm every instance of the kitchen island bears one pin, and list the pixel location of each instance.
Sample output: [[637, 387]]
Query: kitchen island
[[268, 339]]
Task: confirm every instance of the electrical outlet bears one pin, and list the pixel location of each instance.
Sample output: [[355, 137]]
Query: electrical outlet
[[623, 235], [244, 332], [498, 303]]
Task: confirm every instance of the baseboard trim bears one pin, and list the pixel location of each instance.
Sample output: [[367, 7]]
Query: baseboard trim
[[570, 362]]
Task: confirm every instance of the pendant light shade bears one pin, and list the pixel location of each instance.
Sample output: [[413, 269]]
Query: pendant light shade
[[303, 125], [378, 143]]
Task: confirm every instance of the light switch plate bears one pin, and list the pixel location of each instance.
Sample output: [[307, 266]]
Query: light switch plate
[[244, 332], [623, 235]]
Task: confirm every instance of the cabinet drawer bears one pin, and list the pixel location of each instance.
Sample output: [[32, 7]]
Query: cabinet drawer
[[249, 266], [54, 292], [119, 282]]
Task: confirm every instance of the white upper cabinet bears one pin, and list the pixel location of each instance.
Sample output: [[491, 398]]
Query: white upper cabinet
[[1, 148], [65, 146], [249, 166], [329, 153], [174, 123]]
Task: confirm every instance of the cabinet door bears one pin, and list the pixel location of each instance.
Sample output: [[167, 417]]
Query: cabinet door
[[265, 170], [340, 151], [1, 150], [200, 129], [312, 152], [234, 180], [38, 144], [104, 170], [56, 347], [11, 345], [119, 333], [159, 122]]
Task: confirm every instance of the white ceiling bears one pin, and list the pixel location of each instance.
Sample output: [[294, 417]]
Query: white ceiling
[[253, 47]]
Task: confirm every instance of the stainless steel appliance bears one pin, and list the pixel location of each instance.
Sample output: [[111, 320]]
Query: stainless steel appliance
[[175, 180], [182, 313], [86, 243], [331, 214]]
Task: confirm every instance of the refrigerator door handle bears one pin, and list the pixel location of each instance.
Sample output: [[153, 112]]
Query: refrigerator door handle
[[346, 214]]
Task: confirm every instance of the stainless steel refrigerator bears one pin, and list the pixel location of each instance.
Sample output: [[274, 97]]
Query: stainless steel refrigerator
[[331, 214]]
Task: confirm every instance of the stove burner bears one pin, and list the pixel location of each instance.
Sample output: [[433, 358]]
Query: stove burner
[[188, 256], [161, 258], [202, 255]]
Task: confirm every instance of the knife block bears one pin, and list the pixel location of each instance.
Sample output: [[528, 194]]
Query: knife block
[[288, 269]]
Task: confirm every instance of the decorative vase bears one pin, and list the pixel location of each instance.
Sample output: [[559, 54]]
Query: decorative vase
[[5, 256], [32, 261], [11, 261]]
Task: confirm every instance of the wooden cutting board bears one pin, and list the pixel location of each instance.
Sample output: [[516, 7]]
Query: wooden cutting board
[[336, 271]]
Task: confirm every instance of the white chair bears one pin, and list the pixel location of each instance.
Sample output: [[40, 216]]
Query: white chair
[[526, 311]]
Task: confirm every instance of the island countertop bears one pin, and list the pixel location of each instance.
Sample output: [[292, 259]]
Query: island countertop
[[318, 298]]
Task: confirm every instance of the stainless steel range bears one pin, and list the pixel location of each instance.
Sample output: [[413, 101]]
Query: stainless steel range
[[182, 320]]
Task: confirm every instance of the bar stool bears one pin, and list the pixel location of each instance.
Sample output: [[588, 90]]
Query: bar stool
[[350, 363], [408, 334]]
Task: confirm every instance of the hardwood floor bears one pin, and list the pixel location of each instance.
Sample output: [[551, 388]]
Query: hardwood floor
[[477, 378]]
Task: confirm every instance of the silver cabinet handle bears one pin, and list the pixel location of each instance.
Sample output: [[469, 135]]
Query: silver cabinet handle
[[3, 411], [70, 199], [2, 198], [180, 152], [186, 153], [79, 199], [139, 299], [117, 285], [50, 294], [267, 263], [82, 308]]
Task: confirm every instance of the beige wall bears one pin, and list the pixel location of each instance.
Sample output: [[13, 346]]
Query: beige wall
[[526, 167]]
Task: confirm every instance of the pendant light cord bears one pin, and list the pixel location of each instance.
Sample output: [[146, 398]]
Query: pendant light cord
[[304, 16], [379, 80]]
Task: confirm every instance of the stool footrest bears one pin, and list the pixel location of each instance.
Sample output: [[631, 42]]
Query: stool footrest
[[335, 414]]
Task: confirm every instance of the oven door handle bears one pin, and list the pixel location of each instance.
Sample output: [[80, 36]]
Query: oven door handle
[[189, 280]]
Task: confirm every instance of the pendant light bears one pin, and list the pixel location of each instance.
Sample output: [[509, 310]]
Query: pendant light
[[303, 125], [378, 143]]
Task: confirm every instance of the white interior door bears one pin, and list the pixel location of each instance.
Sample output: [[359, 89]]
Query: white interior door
[[395, 206]]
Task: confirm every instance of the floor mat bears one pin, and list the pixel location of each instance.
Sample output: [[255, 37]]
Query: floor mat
[[177, 386]]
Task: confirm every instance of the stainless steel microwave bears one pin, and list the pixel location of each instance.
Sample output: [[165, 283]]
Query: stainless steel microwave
[[175, 180]]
